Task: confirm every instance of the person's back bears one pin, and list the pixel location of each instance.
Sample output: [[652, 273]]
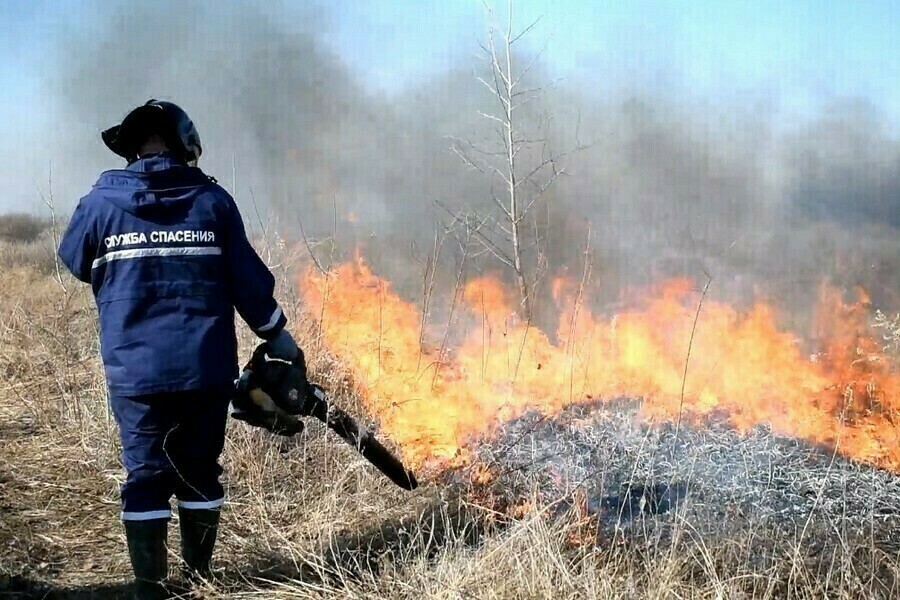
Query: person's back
[[168, 261], [165, 251]]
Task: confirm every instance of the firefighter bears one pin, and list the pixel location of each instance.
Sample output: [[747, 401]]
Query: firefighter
[[165, 251]]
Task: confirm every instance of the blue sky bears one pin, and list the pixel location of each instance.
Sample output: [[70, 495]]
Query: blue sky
[[715, 51], [836, 46], [799, 49]]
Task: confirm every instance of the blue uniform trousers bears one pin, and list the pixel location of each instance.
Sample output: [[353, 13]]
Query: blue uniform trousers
[[171, 445]]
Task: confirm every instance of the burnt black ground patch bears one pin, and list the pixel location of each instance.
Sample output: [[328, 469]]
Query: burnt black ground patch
[[648, 482]]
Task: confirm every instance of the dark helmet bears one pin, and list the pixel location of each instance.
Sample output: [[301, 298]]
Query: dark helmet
[[166, 119]]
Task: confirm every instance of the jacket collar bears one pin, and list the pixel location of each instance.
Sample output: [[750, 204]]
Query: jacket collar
[[159, 161]]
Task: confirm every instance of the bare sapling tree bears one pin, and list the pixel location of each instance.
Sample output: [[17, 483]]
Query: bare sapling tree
[[55, 234], [517, 158]]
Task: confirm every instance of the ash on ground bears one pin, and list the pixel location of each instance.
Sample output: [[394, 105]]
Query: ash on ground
[[648, 482]]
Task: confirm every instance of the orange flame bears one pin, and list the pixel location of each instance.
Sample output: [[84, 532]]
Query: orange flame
[[740, 365]]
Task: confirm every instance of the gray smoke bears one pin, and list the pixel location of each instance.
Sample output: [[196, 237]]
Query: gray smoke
[[667, 187]]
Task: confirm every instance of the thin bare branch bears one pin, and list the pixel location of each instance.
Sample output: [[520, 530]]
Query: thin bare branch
[[493, 118], [530, 141], [528, 100], [495, 64], [55, 234], [538, 90], [528, 67], [522, 144], [485, 241], [486, 84], [687, 359], [504, 229], [526, 30], [509, 23], [540, 192], [493, 248], [466, 159], [502, 175], [533, 172], [309, 248]]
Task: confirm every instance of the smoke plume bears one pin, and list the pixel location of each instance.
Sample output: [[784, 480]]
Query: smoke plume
[[667, 187]]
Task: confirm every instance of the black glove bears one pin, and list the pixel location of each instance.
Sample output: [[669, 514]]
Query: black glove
[[283, 346], [284, 382]]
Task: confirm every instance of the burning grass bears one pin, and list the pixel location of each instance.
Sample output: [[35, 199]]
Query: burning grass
[[590, 500], [741, 365]]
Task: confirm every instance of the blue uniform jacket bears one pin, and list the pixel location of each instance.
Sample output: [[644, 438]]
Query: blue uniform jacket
[[165, 251]]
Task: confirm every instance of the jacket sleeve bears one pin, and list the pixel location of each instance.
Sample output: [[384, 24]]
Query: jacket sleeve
[[78, 246], [251, 283]]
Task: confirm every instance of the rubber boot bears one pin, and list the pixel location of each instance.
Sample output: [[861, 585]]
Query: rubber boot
[[199, 528], [147, 549]]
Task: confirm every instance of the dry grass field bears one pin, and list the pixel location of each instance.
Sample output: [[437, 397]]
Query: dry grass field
[[658, 512]]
